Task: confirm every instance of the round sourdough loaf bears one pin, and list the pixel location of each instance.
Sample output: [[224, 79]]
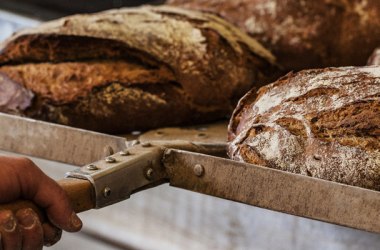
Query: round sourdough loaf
[[304, 34], [323, 123], [131, 69]]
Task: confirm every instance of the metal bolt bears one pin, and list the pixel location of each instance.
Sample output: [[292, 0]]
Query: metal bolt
[[199, 170], [149, 173], [146, 144], [106, 192], [125, 153], [92, 167], [110, 159]]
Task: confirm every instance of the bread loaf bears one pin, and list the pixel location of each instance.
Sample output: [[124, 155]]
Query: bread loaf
[[374, 59], [129, 69], [304, 34], [323, 123]]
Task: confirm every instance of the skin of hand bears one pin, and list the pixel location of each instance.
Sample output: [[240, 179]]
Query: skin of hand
[[20, 178]]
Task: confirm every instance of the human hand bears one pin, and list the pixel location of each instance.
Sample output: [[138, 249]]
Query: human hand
[[20, 178]]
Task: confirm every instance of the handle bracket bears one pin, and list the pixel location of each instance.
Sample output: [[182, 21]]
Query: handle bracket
[[117, 176]]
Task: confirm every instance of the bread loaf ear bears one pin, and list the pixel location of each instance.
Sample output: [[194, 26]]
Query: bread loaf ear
[[136, 68], [323, 123], [304, 34]]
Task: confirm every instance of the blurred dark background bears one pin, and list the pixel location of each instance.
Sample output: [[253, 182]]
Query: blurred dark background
[[50, 9]]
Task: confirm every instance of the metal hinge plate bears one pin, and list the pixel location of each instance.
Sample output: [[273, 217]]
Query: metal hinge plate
[[117, 176]]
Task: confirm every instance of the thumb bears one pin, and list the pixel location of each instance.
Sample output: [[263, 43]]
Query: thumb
[[57, 206], [47, 194]]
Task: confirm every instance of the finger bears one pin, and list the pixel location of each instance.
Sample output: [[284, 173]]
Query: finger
[[58, 207], [30, 229], [46, 193], [10, 235], [52, 234]]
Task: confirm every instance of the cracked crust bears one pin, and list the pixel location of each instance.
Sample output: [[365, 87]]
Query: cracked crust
[[206, 63], [304, 34], [323, 123]]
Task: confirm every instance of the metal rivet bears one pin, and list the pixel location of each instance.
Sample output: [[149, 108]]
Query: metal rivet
[[92, 167], [199, 170], [110, 159], [125, 153], [146, 144], [106, 192], [149, 173]]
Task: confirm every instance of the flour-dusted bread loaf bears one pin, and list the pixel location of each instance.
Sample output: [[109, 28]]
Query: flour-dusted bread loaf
[[304, 34], [374, 59], [323, 123], [130, 69]]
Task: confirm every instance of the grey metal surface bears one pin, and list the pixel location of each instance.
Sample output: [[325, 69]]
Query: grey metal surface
[[136, 168], [208, 133], [276, 190], [55, 142], [263, 187]]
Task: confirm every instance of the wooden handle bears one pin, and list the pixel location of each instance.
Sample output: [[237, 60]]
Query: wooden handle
[[80, 193]]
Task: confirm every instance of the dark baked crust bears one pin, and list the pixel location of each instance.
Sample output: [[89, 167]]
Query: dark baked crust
[[323, 123], [191, 65], [304, 34]]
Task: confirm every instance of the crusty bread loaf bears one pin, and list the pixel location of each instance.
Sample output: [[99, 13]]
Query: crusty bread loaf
[[304, 34], [323, 123], [129, 69], [374, 59]]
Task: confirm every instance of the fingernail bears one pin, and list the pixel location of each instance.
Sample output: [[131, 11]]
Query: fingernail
[[51, 234], [75, 221], [27, 218], [54, 239], [8, 222], [57, 236]]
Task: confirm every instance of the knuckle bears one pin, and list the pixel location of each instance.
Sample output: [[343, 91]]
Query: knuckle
[[26, 162], [27, 218], [25, 211], [8, 222], [25, 165]]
